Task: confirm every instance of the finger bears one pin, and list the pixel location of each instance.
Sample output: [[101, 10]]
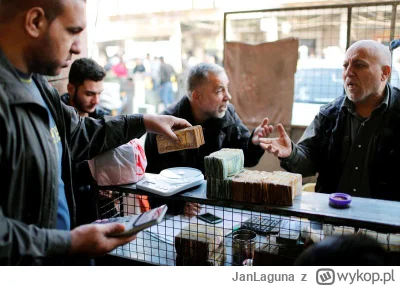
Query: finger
[[275, 152], [112, 228], [195, 209], [265, 140], [180, 123], [281, 130], [265, 122], [271, 129], [170, 134]]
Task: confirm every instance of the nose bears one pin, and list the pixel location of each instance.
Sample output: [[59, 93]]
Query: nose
[[96, 99], [76, 47], [347, 72], [228, 96]]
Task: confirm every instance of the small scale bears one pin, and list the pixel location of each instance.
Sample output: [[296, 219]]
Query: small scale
[[171, 181]]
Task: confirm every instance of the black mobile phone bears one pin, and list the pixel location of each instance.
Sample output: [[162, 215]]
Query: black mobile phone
[[135, 224], [210, 218]]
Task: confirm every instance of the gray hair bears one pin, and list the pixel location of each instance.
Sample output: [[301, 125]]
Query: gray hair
[[199, 74]]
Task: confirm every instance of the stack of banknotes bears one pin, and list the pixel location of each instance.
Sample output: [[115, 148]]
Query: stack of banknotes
[[189, 138], [227, 180], [224, 163], [200, 245]]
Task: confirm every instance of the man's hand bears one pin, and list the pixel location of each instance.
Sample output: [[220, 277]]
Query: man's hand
[[262, 131], [164, 124], [191, 209], [281, 147], [93, 239]]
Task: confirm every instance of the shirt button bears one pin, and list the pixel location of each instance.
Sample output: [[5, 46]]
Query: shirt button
[[354, 190], [359, 146], [362, 124], [356, 168]]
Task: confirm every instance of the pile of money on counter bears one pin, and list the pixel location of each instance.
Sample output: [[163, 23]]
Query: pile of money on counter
[[189, 138], [201, 245], [227, 180]]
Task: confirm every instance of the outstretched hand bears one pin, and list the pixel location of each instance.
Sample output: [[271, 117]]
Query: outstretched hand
[[281, 147], [95, 240], [164, 124], [262, 131]]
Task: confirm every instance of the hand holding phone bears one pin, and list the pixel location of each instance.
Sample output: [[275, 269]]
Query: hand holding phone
[[210, 218], [135, 224]]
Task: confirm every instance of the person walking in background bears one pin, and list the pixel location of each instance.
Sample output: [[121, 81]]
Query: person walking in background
[[166, 92]]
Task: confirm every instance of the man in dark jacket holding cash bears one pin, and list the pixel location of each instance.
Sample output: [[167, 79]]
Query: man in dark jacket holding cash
[[207, 104], [39, 135]]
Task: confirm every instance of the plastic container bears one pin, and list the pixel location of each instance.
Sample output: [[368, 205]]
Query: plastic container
[[339, 200]]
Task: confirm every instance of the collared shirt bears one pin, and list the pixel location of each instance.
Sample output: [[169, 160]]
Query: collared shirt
[[357, 145]]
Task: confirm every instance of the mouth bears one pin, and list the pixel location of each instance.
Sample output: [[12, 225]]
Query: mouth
[[351, 85]]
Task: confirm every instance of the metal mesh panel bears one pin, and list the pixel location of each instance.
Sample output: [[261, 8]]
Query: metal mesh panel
[[278, 240], [324, 34]]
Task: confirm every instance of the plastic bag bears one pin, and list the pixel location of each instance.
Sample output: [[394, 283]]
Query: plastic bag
[[123, 165]]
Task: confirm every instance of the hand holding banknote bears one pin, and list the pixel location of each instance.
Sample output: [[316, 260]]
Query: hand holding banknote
[[164, 124], [262, 131]]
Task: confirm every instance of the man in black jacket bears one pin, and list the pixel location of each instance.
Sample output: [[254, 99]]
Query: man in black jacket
[[85, 85], [354, 141], [207, 104], [39, 135]]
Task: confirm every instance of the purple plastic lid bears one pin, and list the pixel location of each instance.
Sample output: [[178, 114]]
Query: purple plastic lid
[[339, 199]]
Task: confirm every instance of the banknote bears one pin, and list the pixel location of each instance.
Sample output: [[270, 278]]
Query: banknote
[[189, 138]]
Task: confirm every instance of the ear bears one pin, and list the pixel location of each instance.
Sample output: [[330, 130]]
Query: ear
[[196, 96], [35, 22], [71, 89], [385, 73]]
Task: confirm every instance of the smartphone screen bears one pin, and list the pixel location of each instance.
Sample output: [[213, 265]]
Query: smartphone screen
[[150, 215], [210, 218]]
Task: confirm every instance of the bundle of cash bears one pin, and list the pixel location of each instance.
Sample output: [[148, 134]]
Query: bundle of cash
[[281, 187], [224, 163], [247, 187], [219, 188], [216, 258], [199, 244], [189, 138], [251, 186]]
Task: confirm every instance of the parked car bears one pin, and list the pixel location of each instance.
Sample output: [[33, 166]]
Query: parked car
[[318, 85]]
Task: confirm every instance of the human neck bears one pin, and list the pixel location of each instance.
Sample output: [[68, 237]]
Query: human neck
[[14, 51], [365, 107], [198, 116], [83, 114]]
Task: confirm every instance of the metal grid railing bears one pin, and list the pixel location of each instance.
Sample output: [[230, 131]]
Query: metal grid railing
[[242, 237], [324, 34]]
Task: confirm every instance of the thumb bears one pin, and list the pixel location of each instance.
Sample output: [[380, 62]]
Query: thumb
[[170, 134], [111, 228], [282, 132]]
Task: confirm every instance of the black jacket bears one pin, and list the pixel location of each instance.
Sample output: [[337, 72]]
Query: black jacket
[[384, 166], [226, 132], [28, 164]]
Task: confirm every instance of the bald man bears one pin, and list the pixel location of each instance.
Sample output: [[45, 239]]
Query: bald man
[[354, 141]]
